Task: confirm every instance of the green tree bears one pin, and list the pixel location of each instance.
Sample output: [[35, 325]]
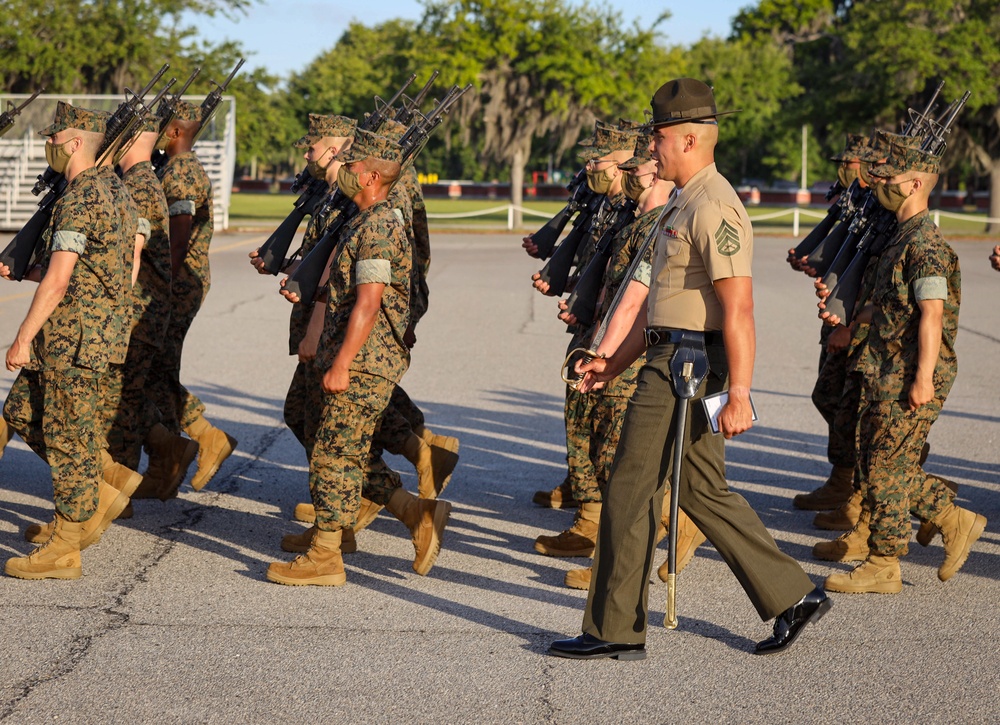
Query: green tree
[[99, 46], [542, 69]]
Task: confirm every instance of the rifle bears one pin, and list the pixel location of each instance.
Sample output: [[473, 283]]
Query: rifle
[[211, 103], [273, 250], [579, 198], [166, 111], [582, 304], [556, 270], [305, 281], [8, 116], [879, 224], [411, 106], [25, 248]]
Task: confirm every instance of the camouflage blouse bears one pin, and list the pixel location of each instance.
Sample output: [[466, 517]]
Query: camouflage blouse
[[917, 265], [625, 246], [372, 249], [189, 191], [152, 289], [86, 326], [129, 224]]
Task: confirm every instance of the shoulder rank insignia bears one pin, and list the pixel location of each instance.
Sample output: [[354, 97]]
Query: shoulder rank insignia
[[727, 239]]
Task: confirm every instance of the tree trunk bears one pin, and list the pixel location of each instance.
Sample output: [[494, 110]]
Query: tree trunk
[[994, 213], [517, 164]]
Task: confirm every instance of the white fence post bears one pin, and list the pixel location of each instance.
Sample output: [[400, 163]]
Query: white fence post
[[795, 222], [510, 217], [937, 217]]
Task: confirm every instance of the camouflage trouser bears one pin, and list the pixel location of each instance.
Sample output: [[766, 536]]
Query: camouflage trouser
[[178, 407], [890, 438], [135, 414], [827, 396], [578, 412], [401, 418], [58, 414], [842, 448], [340, 462], [607, 419], [296, 403]]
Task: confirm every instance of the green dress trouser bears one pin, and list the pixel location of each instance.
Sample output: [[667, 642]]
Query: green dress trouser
[[617, 605]]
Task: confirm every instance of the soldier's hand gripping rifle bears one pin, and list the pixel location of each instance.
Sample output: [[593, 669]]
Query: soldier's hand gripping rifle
[[12, 112], [275, 249], [305, 281], [165, 112], [24, 249], [582, 304], [845, 284]]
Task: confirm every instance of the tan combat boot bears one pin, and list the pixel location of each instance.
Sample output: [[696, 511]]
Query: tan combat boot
[[927, 530], [110, 503], [426, 520], [214, 447], [305, 512], [959, 530], [322, 565], [689, 538], [39, 533], [578, 540], [877, 575], [57, 558], [832, 494], [169, 458], [368, 511], [5, 435], [434, 465], [850, 546], [844, 518], [560, 497], [449, 443], [579, 578], [120, 477]]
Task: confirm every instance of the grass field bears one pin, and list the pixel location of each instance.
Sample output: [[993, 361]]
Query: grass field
[[269, 209]]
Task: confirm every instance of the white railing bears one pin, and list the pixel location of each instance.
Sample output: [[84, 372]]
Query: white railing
[[21, 159], [796, 213]]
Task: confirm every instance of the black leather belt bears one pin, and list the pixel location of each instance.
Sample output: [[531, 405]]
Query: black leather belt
[[668, 335]]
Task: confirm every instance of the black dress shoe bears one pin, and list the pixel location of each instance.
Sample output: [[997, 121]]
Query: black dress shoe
[[588, 647], [789, 623]]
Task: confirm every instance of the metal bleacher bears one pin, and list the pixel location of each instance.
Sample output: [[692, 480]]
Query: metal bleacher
[[22, 153]]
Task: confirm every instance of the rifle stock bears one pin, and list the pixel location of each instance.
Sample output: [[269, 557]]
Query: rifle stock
[[844, 296], [24, 250], [824, 254], [819, 232], [556, 271], [546, 237]]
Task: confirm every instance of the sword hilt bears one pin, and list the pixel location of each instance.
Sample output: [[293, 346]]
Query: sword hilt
[[564, 373]]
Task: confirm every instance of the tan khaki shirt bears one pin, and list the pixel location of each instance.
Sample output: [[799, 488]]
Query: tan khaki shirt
[[704, 235]]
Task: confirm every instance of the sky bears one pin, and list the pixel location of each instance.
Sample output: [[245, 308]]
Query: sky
[[285, 35]]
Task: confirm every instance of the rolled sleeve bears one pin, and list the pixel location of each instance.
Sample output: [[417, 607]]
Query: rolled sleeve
[[930, 288], [144, 228], [182, 206], [68, 241], [373, 271]]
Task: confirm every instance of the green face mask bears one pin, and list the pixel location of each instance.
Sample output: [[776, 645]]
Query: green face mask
[[890, 196], [161, 142], [57, 157], [633, 187], [348, 182], [600, 182], [846, 175]]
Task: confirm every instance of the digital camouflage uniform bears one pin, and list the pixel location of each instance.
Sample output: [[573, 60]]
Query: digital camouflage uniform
[[117, 416], [305, 375], [372, 249], [612, 400], [55, 403], [917, 265], [150, 318], [188, 190]]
